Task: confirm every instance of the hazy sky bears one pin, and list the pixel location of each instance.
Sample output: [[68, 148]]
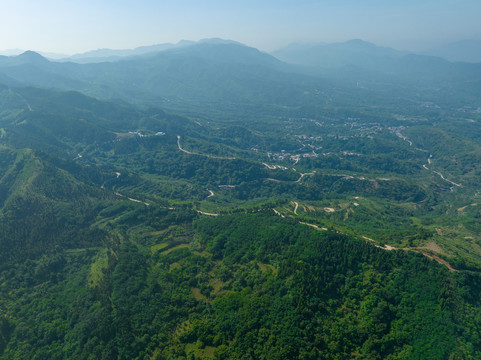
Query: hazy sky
[[72, 26]]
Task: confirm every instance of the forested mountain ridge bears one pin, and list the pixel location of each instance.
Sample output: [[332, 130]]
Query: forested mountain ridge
[[43, 206], [277, 216]]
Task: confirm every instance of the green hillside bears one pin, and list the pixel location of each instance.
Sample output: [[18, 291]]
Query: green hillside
[[232, 287]]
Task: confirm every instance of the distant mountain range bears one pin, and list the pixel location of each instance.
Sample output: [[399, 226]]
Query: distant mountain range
[[110, 55], [335, 55], [464, 51], [213, 70], [340, 54], [371, 64], [102, 55], [300, 53], [219, 71], [49, 55]]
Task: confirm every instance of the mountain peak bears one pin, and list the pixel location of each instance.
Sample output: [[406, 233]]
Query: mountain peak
[[224, 51], [31, 56], [357, 45], [30, 53], [358, 41], [219, 41]]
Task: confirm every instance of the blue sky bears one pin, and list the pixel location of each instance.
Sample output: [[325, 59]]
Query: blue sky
[[72, 26]]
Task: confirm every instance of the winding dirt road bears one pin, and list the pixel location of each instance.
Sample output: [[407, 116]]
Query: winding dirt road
[[295, 209], [199, 154]]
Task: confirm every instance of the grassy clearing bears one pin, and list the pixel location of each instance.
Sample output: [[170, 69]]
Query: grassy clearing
[[198, 295], [267, 268], [174, 266], [158, 247], [97, 268], [181, 246], [218, 286]]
